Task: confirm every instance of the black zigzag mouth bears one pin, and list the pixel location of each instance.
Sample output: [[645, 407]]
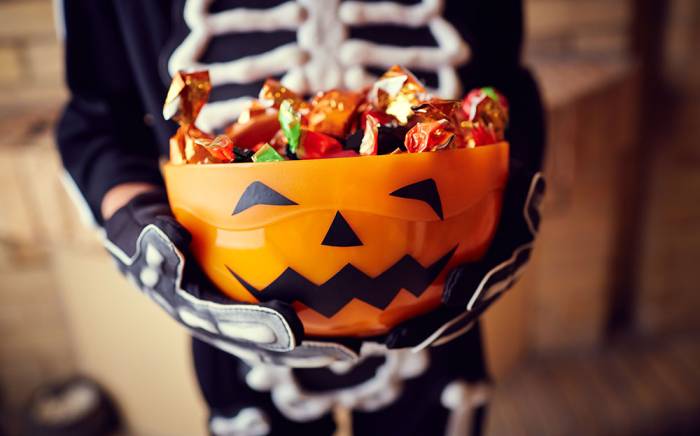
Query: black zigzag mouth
[[350, 283]]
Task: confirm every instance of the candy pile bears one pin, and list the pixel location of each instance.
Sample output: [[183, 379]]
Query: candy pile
[[394, 115]]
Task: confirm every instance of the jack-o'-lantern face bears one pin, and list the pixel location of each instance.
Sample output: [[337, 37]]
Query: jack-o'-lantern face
[[357, 245]]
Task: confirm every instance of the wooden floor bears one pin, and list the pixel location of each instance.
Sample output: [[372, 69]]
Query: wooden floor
[[630, 389]]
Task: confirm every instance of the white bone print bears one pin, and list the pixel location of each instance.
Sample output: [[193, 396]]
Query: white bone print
[[323, 56]]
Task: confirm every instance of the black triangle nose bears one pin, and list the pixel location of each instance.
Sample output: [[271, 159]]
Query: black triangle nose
[[340, 234]]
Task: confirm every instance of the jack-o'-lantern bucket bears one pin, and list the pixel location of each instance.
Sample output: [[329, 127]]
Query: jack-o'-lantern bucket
[[356, 245]]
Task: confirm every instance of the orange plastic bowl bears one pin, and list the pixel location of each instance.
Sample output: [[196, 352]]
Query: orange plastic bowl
[[356, 244]]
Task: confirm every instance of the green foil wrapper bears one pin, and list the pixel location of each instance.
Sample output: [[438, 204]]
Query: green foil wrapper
[[290, 122], [266, 154]]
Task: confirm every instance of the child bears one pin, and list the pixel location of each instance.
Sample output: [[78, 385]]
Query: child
[[258, 372]]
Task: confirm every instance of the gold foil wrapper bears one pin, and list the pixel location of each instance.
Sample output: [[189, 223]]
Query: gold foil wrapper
[[187, 95], [492, 114], [273, 93], [396, 92], [195, 152]]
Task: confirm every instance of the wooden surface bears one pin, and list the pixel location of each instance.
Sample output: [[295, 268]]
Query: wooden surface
[[633, 388]]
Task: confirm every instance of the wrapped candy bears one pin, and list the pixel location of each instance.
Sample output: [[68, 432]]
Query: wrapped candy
[[186, 96], [290, 122], [266, 154], [449, 111], [396, 92], [332, 112], [383, 118], [220, 148], [395, 115], [479, 95], [273, 93], [315, 145], [261, 128], [370, 139], [487, 112], [429, 136], [481, 134], [194, 152]]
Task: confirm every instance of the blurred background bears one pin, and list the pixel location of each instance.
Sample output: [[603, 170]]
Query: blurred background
[[602, 334]]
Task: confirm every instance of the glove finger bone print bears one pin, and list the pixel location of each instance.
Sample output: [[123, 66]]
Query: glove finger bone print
[[249, 421], [149, 248]]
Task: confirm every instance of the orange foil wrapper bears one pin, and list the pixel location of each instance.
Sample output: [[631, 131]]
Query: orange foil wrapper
[[186, 146], [316, 145], [220, 148], [333, 112], [261, 128], [194, 150]]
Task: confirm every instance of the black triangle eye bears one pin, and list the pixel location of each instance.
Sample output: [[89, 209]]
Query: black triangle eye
[[259, 193], [425, 191]]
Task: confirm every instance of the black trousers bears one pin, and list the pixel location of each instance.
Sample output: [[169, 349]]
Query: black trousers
[[418, 411]]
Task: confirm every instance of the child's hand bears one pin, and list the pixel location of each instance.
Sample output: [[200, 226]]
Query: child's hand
[[471, 288], [151, 249]]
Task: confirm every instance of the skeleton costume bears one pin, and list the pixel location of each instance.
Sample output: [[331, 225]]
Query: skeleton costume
[[257, 370]]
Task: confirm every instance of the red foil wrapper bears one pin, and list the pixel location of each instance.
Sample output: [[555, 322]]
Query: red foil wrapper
[[315, 145], [429, 136], [481, 134], [383, 118], [487, 111]]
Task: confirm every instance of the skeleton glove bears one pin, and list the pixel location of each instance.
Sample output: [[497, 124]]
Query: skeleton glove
[[151, 249], [471, 288]]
